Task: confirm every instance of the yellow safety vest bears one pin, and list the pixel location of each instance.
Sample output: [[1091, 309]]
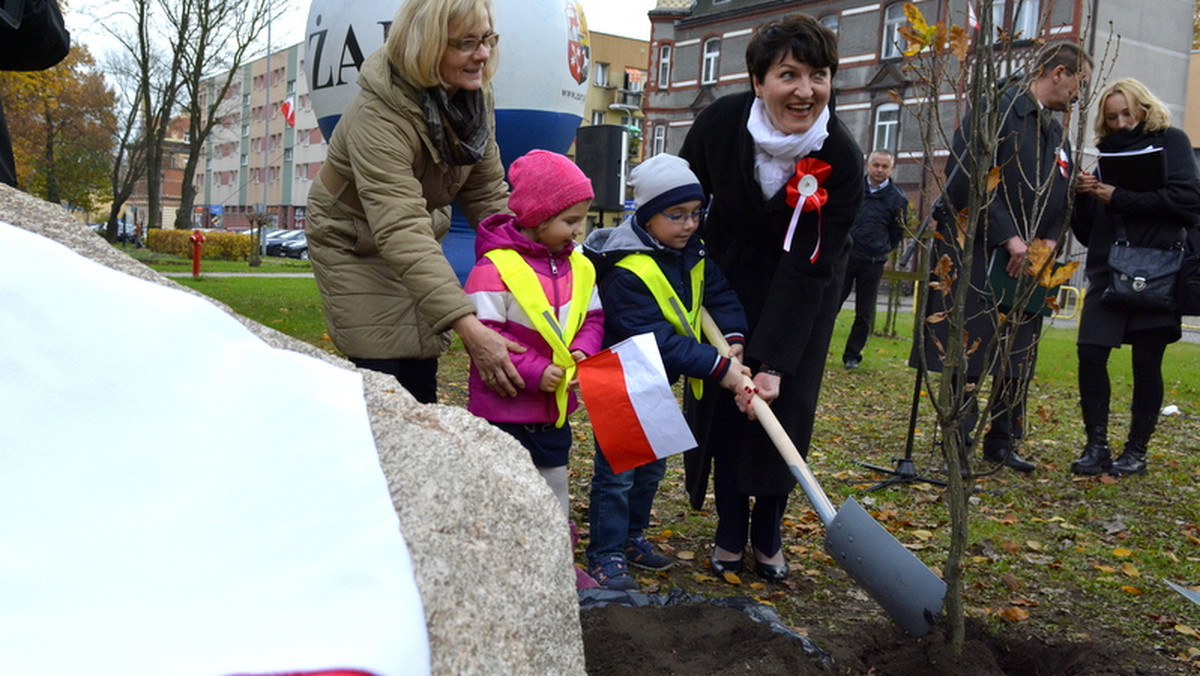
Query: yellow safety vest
[[522, 281], [685, 320]]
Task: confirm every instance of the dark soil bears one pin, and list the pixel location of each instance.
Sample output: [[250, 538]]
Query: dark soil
[[701, 638]]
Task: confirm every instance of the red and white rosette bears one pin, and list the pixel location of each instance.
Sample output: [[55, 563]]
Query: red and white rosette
[[806, 192]]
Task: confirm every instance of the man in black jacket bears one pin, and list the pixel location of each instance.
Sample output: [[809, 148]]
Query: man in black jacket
[[877, 231], [32, 37]]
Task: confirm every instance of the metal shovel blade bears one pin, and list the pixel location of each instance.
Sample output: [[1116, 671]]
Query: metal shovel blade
[[909, 592], [1188, 594]]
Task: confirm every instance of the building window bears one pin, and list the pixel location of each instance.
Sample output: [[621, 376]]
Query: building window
[[601, 70], [831, 21], [245, 160], [597, 117], [712, 57], [664, 66], [660, 140], [887, 127], [893, 20], [291, 87], [245, 131], [287, 155], [1019, 18]]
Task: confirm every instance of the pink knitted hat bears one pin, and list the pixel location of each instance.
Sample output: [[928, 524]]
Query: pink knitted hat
[[543, 184]]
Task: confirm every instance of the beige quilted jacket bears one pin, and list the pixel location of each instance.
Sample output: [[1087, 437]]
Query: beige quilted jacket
[[388, 291]]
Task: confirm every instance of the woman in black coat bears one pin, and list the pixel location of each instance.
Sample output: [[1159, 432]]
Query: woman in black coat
[[1129, 118], [785, 177]]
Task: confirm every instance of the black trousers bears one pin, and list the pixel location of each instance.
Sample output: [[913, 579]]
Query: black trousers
[[418, 376], [864, 276]]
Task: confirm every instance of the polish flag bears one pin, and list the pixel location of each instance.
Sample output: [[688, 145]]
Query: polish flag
[[634, 414], [972, 20], [288, 108]]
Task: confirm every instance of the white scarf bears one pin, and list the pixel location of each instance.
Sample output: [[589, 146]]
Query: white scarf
[[775, 153]]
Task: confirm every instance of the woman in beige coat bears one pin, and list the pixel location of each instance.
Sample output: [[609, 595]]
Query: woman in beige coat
[[419, 135]]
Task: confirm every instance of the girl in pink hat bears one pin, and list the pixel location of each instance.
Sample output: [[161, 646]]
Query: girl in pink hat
[[532, 285]]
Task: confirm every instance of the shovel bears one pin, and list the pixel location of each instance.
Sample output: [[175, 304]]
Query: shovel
[[909, 592]]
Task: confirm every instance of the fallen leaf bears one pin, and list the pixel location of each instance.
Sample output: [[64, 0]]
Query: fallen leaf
[[1109, 570], [980, 559], [685, 555], [757, 586], [1189, 631], [732, 578], [1013, 614], [1011, 547], [1108, 479], [922, 535], [1035, 545], [701, 577], [1130, 570], [1028, 603], [1122, 552], [1130, 590]]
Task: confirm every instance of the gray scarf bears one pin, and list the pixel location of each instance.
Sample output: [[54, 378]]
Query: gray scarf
[[459, 126]]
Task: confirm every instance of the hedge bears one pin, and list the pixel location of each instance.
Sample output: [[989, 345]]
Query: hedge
[[225, 246]]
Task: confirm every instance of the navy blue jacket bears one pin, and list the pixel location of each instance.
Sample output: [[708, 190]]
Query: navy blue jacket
[[630, 308], [879, 226]]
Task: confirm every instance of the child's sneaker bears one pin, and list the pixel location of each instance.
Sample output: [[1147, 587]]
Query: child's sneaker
[[611, 572], [639, 552]]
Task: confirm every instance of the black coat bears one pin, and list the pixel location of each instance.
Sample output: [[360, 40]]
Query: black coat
[[1151, 219], [880, 223], [791, 303], [40, 42], [1030, 201]]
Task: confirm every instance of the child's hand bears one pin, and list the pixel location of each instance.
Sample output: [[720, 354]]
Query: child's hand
[[578, 355], [737, 350], [551, 377], [734, 379]]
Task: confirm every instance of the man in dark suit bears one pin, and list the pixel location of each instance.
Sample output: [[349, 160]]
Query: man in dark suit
[[32, 37], [877, 231], [1030, 202]]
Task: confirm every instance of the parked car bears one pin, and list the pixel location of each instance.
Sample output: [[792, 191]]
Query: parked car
[[296, 247], [276, 240]]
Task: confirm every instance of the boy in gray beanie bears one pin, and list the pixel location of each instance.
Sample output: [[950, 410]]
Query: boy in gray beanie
[[653, 276]]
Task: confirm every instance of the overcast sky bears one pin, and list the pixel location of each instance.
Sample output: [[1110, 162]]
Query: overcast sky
[[86, 18]]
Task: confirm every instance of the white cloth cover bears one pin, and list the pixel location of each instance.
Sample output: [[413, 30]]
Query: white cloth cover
[[176, 496]]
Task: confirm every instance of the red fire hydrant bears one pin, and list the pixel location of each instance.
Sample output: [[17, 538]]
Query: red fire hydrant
[[197, 239]]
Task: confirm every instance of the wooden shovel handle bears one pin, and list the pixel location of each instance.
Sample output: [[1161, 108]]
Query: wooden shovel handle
[[766, 417]]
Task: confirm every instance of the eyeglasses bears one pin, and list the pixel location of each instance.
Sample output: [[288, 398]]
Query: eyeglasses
[[680, 219], [469, 45]]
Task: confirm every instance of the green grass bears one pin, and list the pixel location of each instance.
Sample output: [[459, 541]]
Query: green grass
[[1083, 557], [171, 263], [291, 305]]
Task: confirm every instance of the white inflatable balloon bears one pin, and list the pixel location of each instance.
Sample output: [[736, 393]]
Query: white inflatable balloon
[[540, 85]]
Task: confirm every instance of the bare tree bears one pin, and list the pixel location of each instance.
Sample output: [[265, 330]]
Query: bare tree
[[942, 59], [129, 159], [223, 35]]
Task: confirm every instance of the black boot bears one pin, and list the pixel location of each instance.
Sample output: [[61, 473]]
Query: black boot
[[1096, 457], [1132, 460]]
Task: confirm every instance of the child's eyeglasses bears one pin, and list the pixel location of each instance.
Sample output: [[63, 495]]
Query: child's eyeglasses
[[469, 45], [680, 219]]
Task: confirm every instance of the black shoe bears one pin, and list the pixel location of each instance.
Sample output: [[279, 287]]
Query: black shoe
[[721, 567], [1096, 459], [851, 363], [1010, 459], [770, 572]]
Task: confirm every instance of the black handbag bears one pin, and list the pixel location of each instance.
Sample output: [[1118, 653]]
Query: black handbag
[[1142, 278]]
